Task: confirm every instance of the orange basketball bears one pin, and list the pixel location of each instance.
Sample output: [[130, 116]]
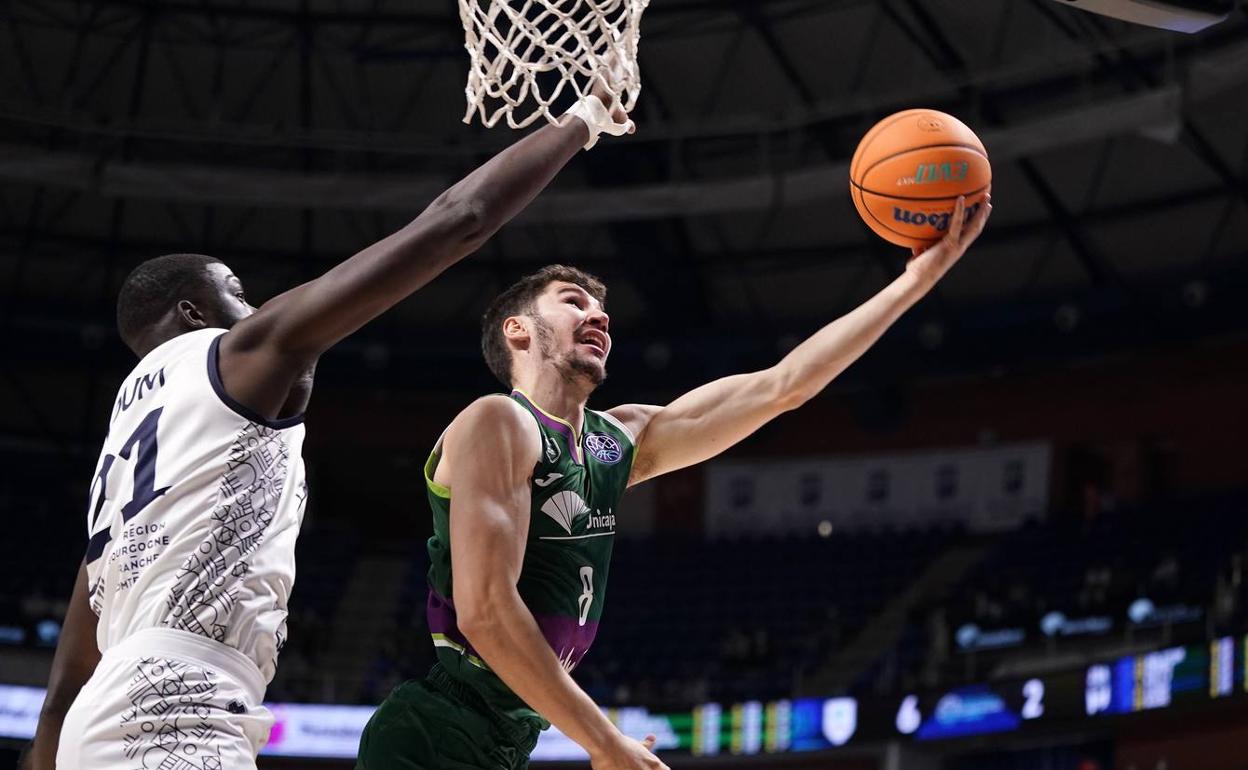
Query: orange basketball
[[909, 170]]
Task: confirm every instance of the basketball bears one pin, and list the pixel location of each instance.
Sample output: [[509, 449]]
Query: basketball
[[908, 171]]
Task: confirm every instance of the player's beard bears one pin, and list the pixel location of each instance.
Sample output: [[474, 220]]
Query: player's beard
[[571, 365]]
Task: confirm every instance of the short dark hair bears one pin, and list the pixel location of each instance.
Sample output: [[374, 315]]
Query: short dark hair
[[518, 299], [154, 287]]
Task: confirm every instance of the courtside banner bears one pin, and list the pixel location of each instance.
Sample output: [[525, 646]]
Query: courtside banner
[[313, 730], [19, 710], [321, 730], [299, 729]]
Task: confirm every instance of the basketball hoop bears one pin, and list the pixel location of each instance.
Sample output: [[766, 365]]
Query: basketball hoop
[[524, 55]]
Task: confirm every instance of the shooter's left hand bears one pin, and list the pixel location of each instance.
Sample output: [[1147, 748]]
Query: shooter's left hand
[[930, 264]]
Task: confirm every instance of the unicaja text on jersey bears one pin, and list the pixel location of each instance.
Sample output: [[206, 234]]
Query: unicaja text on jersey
[[604, 520]]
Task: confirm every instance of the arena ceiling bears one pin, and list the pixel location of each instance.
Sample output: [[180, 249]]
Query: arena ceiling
[[282, 136]]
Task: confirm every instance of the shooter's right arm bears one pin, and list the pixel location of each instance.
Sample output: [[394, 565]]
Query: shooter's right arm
[[489, 453], [261, 357], [77, 655]]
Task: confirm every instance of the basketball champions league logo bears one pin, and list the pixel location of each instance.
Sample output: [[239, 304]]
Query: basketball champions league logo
[[605, 449]]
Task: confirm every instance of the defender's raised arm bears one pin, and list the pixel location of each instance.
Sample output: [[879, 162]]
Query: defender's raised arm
[[265, 353]]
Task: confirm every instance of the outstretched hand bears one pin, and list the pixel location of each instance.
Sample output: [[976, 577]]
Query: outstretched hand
[[607, 84], [630, 754], [932, 262]]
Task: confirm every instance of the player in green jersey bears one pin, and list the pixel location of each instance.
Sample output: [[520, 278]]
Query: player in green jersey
[[524, 490]]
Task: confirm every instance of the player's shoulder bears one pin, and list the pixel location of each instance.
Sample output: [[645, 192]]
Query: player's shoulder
[[495, 407], [497, 419], [180, 346], [173, 355]]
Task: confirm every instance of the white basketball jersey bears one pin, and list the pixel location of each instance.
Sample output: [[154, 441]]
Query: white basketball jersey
[[194, 508]]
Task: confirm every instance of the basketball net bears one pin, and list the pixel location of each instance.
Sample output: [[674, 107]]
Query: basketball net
[[512, 42]]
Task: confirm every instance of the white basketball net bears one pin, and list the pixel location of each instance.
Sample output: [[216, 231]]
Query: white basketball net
[[512, 42]]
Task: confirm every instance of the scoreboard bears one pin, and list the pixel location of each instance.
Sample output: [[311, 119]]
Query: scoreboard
[[1159, 679]]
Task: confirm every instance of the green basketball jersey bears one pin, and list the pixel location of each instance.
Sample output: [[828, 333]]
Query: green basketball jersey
[[575, 491]]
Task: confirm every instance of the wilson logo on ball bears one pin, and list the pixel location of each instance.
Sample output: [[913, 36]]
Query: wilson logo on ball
[[936, 220]]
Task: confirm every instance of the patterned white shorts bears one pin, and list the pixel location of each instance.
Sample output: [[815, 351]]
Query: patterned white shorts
[[165, 699]]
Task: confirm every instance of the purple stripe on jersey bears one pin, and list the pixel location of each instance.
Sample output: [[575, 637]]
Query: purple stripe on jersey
[[440, 612], [567, 637], [561, 428]]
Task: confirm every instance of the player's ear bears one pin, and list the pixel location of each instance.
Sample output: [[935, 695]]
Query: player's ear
[[190, 315], [516, 331]]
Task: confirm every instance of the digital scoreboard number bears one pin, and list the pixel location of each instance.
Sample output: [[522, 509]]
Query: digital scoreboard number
[[980, 709]]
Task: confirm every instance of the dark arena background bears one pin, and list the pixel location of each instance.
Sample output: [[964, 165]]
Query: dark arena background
[[1013, 536]]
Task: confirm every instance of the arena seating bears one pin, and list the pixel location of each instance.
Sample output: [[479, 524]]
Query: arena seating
[[406, 651], [1186, 554], [326, 559], [45, 521]]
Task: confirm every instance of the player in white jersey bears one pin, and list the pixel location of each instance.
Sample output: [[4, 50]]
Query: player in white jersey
[[179, 608], [195, 507]]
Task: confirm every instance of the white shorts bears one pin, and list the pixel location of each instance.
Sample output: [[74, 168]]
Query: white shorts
[[164, 699]]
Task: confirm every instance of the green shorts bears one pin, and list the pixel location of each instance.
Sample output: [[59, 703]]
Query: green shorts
[[439, 723]]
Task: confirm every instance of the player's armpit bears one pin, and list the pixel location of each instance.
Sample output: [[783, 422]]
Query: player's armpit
[[77, 655], [634, 417]]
